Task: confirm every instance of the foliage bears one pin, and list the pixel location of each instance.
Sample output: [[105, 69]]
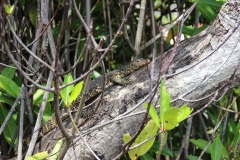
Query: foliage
[[148, 132], [26, 20], [8, 8], [168, 119]]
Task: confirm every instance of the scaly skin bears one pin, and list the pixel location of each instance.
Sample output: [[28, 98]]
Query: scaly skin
[[96, 87]]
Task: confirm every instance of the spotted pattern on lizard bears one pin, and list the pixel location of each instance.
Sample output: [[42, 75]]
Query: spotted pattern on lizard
[[96, 87]]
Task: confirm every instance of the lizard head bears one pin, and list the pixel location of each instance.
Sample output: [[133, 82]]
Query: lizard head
[[137, 63]]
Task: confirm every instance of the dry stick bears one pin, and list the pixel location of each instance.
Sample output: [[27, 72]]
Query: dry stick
[[5, 65], [46, 27], [79, 134], [49, 82], [75, 55], [39, 119], [76, 61], [67, 36], [84, 24], [20, 145], [56, 82], [9, 114], [25, 47], [58, 119], [103, 85], [229, 110], [29, 110], [187, 135], [110, 33], [140, 28], [214, 135], [85, 89], [203, 126], [226, 118], [125, 32], [106, 50], [180, 150], [173, 53], [22, 72], [165, 29], [154, 55], [35, 45], [236, 150], [143, 142]]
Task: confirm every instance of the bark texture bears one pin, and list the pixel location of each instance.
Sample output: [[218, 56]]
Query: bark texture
[[204, 64]]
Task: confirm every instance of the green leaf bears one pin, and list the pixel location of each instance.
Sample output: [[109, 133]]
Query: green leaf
[[22, 2], [8, 8], [146, 156], [33, 14], [164, 100], [237, 91], [131, 153], [56, 150], [38, 97], [155, 147], [6, 99], [207, 12], [38, 156], [212, 118], [217, 4], [148, 131], [190, 30], [237, 135], [95, 74], [216, 152], [47, 113], [190, 157], [207, 8], [66, 91], [10, 128], [8, 72], [75, 23], [166, 151], [185, 111], [153, 114], [55, 31], [76, 91], [170, 118], [17, 80], [200, 143], [9, 86]]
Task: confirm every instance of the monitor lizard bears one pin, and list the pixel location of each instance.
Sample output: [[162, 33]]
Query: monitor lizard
[[96, 87], [117, 76]]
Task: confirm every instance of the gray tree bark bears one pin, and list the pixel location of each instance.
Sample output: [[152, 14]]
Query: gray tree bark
[[204, 68]]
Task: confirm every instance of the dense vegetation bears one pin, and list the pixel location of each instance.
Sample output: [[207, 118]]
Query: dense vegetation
[[43, 42]]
